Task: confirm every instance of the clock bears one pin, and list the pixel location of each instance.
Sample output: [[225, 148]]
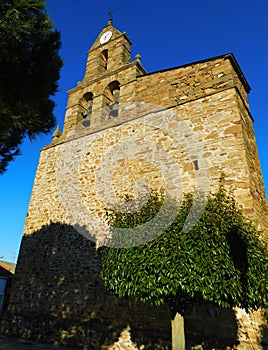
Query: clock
[[106, 37]]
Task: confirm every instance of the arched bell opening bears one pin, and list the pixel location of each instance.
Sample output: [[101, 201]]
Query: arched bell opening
[[86, 104], [111, 99]]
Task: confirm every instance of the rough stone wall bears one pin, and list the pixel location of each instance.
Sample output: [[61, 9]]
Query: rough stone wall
[[193, 118], [183, 86], [217, 126], [259, 209]]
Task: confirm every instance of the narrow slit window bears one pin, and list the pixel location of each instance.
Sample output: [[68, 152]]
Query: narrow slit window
[[104, 60]]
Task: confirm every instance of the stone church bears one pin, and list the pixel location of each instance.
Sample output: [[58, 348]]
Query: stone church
[[127, 130]]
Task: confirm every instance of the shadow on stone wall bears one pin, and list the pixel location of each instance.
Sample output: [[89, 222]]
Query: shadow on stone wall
[[264, 331], [58, 297], [210, 326]]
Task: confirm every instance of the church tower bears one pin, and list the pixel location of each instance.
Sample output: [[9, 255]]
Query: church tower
[[107, 81], [176, 129]]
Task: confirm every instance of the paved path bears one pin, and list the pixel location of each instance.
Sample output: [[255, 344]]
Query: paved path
[[23, 344]]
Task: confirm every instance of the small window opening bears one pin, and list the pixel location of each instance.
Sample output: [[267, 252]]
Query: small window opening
[[196, 167], [104, 60]]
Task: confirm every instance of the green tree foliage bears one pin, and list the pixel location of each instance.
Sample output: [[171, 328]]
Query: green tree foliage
[[221, 260], [29, 71]]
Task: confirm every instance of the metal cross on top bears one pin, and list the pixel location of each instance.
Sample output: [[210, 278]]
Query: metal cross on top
[[111, 16]]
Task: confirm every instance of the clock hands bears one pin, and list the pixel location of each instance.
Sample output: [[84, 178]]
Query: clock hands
[[106, 37]]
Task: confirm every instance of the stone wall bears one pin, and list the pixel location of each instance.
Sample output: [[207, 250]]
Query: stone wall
[[210, 96], [219, 136]]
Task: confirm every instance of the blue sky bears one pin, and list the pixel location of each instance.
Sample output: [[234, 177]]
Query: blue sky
[[166, 34]]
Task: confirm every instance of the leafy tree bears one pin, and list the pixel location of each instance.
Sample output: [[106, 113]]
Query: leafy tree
[[220, 260], [29, 70]]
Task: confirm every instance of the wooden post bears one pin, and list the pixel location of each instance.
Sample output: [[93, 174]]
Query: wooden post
[[178, 338]]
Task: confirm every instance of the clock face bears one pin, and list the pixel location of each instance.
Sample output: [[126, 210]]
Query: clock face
[[106, 37]]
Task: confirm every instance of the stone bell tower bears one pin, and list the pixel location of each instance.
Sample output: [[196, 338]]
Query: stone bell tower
[[108, 77], [178, 128]]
